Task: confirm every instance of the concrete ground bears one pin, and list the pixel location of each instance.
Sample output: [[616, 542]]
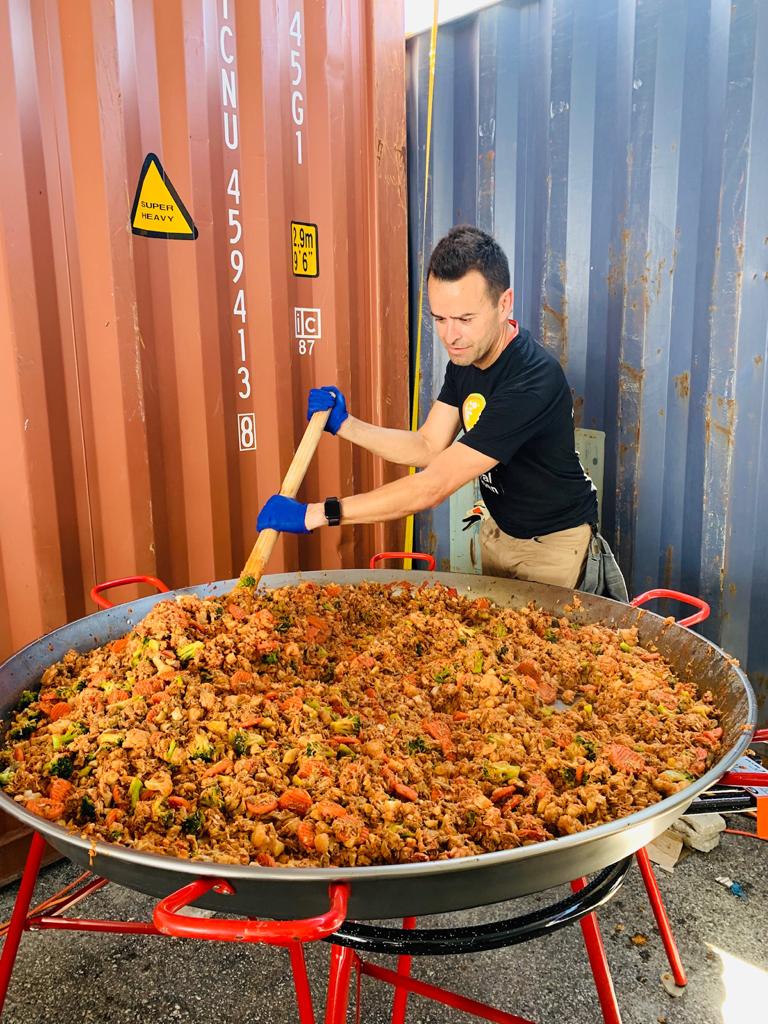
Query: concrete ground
[[113, 979]]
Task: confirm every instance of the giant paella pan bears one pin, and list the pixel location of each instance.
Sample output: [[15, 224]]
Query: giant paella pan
[[431, 886]]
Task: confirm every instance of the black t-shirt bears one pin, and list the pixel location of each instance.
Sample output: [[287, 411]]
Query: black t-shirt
[[519, 411]]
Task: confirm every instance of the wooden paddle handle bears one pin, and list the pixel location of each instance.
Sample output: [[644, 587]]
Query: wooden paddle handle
[[265, 543]]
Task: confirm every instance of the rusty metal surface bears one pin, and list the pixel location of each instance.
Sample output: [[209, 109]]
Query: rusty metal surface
[[123, 371], [616, 150]]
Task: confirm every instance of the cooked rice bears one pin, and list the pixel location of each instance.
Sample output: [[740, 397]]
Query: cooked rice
[[331, 725]]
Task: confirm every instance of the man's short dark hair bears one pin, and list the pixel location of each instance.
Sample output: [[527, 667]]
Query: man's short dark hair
[[466, 248]]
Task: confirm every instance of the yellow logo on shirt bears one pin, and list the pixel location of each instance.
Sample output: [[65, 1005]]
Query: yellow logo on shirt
[[471, 410]]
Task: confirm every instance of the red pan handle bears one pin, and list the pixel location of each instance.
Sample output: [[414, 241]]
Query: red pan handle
[[757, 779], [102, 602], [676, 595], [168, 921], [429, 559]]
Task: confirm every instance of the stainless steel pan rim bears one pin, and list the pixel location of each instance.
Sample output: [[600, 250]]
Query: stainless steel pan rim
[[643, 825]]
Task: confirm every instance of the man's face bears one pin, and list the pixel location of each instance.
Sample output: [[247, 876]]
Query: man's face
[[470, 324]]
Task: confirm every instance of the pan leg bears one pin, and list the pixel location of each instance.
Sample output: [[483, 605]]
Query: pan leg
[[400, 1002], [598, 963], [338, 985], [301, 984], [19, 916], [662, 920]]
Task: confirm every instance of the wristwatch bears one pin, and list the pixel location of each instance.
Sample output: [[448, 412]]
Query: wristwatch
[[332, 509]]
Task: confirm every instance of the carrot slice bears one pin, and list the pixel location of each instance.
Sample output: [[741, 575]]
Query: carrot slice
[[112, 698], [43, 808], [261, 805], [60, 789], [305, 834], [405, 791], [623, 759], [502, 793], [296, 800], [223, 767], [441, 732], [328, 809], [60, 710]]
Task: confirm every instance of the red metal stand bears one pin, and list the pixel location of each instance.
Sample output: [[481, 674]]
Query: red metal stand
[[400, 1001], [290, 934], [343, 959], [662, 920], [598, 962]]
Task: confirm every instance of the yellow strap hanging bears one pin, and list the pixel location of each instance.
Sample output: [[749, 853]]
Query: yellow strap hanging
[[409, 523]]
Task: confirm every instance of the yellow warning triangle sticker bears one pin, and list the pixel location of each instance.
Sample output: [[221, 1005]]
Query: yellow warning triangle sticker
[[158, 212]]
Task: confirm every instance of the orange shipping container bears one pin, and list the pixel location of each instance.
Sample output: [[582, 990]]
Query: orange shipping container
[[152, 389]]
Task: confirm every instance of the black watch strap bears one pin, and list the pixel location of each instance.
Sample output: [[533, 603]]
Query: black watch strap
[[332, 509]]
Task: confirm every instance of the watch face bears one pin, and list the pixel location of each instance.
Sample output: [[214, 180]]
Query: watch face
[[332, 509]]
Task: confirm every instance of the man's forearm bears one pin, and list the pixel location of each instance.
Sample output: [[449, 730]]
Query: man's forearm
[[392, 501], [447, 471], [403, 447]]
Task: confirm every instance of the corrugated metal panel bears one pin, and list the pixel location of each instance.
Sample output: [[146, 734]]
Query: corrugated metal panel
[[617, 151], [123, 367]]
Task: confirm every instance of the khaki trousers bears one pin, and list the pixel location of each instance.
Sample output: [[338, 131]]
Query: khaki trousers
[[557, 558]]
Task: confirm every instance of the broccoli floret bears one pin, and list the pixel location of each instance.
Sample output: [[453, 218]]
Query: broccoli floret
[[134, 791], [87, 809], [211, 797], [241, 743], [500, 772], [271, 658], [247, 581], [417, 746], [193, 823], [203, 752], [189, 650], [6, 776], [76, 729], [25, 726], [590, 750], [62, 767], [26, 698], [345, 726]]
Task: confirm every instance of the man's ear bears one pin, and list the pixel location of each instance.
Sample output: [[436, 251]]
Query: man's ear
[[505, 303]]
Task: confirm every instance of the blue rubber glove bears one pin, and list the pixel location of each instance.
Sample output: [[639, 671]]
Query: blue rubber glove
[[284, 514], [331, 398]]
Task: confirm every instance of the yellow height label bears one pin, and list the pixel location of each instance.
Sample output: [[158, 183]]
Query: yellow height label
[[304, 249], [158, 212]]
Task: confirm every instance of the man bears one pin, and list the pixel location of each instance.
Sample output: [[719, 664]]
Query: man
[[510, 397]]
